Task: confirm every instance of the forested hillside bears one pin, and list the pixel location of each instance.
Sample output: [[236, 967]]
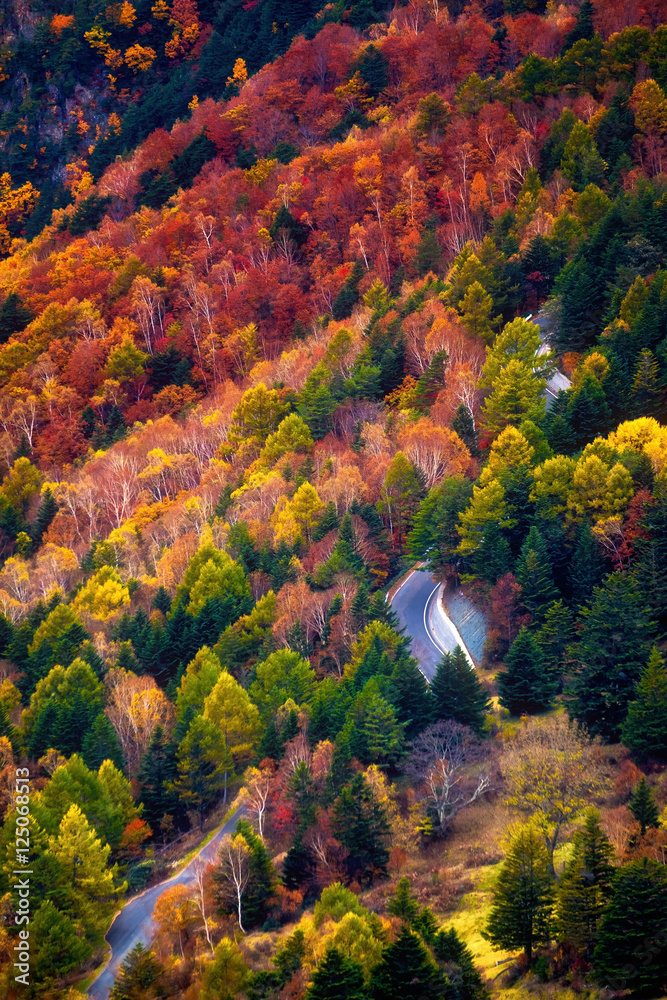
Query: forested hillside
[[282, 289]]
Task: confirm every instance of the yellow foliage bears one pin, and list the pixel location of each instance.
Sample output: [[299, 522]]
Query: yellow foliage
[[160, 10], [239, 73], [103, 596], [123, 15], [15, 203], [140, 57]]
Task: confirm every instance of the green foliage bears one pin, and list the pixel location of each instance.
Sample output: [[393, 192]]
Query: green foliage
[[140, 973], [458, 693], [585, 885], [631, 951], [337, 977], [522, 896], [613, 647], [407, 969], [205, 766], [645, 728], [524, 685], [361, 825], [643, 808]]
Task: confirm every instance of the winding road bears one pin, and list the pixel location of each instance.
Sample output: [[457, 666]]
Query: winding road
[[416, 602], [432, 633], [134, 923]]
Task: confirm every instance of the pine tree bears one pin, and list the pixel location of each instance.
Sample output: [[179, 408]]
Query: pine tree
[[141, 975], [458, 693], [204, 766], [360, 823], [587, 569], [337, 978], [464, 425], [100, 743], [651, 576], [614, 645], [48, 509], [643, 808], [466, 982], [403, 902], [162, 601], [14, 316], [411, 697], [524, 684], [407, 970], [329, 521], [383, 733], [262, 882], [631, 951], [6, 635], [645, 728], [156, 774], [554, 638], [585, 885], [646, 385], [535, 576], [522, 896], [584, 28]]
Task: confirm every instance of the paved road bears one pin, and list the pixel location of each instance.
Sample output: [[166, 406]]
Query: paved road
[[134, 924], [558, 380], [431, 631]]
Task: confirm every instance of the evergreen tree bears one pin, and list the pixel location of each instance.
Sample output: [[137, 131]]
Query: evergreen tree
[[643, 808], [407, 970], [14, 316], [329, 521], [584, 28], [587, 569], [614, 645], [205, 766], [337, 978], [524, 684], [522, 896], [645, 728], [585, 885], [651, 576], [48, 509], [382, 733], [535, 576], [100, 743], [410, 695], [464, 425], [141, 975], [162, 601], [6, 635], [361, 825], [157, 773], [403, 902], [631, 952], [465, 980], [458, 693], [434, 537], [554, 638], [262, 883]]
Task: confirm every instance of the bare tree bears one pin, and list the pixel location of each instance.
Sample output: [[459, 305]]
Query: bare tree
[[445, 763], [233, 873], [198, 896], [257, 788]]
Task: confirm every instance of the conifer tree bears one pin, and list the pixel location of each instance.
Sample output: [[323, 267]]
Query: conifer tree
[[613, 647], [466, 982], [587, 569], [535, 576], [631, 951], [337, 978], [403, 902], [100, 743], [458, 693], [407, 970], [360, 823], [554, 637], [140, 975], [522, 896], [585, 885], [48, 509], [524, 684], [645, 728], [410, 695], [156, 774], [643, 808], [204, 766], [651, 576]]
